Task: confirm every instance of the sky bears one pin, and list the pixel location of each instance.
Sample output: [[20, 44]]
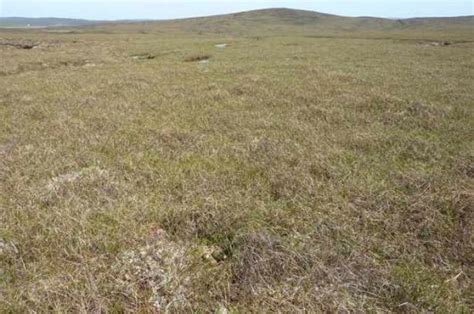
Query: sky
[[170, 9]]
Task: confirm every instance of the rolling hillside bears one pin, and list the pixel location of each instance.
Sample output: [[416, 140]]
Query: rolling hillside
[[282, 22], [310, 19], [273, 20]]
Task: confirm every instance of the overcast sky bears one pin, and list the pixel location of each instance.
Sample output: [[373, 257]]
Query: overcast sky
[[168, 9]]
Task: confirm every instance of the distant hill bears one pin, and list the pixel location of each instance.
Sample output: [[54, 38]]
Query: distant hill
[[441, 20], [25, 22], [266, 20], [288, 21], [291, 17]]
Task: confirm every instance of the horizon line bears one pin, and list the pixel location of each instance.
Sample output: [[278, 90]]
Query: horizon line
[[224, 14]]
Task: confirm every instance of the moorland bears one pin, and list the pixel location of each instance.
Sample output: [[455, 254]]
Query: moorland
[[266, 161]]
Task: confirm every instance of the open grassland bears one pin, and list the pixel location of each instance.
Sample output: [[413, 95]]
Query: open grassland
[[147, 170]]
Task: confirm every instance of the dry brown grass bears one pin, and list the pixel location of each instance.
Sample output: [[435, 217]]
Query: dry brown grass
[[290, 174]]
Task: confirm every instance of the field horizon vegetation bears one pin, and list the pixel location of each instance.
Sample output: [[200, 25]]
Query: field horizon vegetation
[[266, 161]]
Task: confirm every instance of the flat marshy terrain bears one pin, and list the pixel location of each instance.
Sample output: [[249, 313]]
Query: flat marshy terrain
[[200, 166]]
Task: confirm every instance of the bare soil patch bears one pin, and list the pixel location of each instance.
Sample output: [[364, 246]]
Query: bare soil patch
[[18, 44], [197, 58]]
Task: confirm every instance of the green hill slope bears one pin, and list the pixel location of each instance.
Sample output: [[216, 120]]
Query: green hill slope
[[277, 22]]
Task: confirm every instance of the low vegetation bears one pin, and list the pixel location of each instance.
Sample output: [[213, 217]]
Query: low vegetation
[[296, 171]]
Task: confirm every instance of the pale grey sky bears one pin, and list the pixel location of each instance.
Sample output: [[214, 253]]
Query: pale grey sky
[[168, 9]]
